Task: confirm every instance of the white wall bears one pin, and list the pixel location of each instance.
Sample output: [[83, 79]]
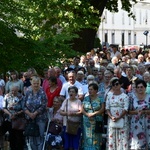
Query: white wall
[[119, 23]]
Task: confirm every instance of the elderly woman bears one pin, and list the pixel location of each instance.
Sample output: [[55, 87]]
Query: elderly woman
[[140, 118], [71, 110], [55, 139], [117, 105], [35, 109], [13, 109], [92, 109]]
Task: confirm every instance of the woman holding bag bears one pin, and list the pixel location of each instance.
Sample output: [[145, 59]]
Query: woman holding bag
[[54, 137], [117, 104], [13, 110], [35, 103], [71, 110], [92, 109]]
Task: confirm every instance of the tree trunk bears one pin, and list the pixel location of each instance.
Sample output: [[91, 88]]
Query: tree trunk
[[85, 42]]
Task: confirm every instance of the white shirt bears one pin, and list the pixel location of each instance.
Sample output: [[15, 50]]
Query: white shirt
[[2, 82], [64, 90], [115, 54], [1, 102]]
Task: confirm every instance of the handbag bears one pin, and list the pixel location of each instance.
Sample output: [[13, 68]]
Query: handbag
[[71, 126], [55, 128], [99, 126], [32, 129], [118, 124], [19, 123]]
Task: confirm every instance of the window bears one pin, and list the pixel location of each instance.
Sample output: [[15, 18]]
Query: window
[[113, 38], [122, 39], [129, 38], [146, 17], [134, 38], [135, 17], [106, 37]]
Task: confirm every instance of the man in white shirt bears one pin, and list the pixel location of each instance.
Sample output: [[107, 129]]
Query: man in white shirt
[[71, 82]]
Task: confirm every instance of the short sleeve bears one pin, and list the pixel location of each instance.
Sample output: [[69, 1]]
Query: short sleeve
[[63, 106]]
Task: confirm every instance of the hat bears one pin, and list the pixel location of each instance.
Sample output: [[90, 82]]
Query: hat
[[80, 72]]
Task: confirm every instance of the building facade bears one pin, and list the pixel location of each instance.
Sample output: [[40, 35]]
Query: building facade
[[118, 28]]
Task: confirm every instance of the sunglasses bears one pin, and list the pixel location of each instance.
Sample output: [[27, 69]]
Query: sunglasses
[[116, 84]]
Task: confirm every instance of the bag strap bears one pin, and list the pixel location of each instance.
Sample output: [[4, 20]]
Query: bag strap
[[91, 103], [67, 108]]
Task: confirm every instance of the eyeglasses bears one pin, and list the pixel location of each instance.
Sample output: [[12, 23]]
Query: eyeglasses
[[139, 87], [116, 84], [95, 70]]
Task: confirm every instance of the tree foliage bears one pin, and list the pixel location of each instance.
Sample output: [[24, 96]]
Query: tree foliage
[[52, 29]]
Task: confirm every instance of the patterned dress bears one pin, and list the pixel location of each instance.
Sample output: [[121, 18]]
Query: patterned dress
[[117, 138], [139, 124], [91, 140]]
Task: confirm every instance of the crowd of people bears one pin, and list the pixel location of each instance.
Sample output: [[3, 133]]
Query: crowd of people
[[109, 88]]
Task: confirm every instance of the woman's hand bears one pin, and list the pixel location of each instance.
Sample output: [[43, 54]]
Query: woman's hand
[[113, 118], [13, 116], [32, 115], [90, 115]]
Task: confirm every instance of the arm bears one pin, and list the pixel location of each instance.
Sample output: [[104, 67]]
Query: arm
[[116, 118], [83, 111], [146, 112], [7, 112], [43, 104], [126, 107], [100, 111], [109, 114], [63, 113], [133, 112], [62, 109], [81, 97]]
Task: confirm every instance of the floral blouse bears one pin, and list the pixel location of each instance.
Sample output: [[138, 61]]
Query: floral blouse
[[13, 103], [36, 102]]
